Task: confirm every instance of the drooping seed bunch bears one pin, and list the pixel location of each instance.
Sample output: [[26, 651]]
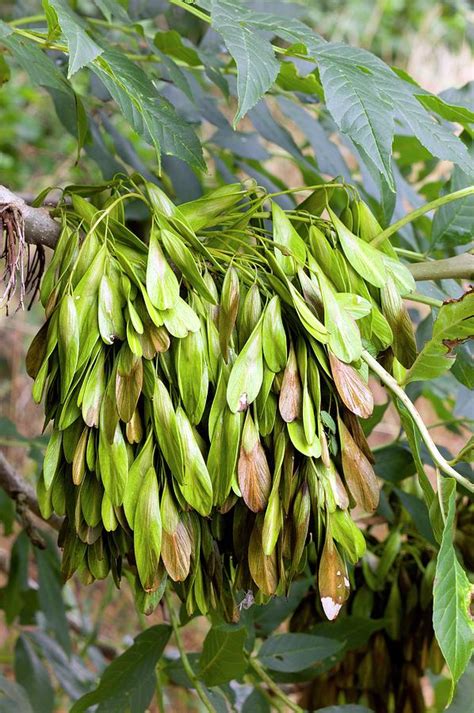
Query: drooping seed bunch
[[205, 385]]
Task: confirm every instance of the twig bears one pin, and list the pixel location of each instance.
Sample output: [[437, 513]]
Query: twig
[[184, 659], [263, 675], [396, 389], [21, 492], [437, 203], [40, 227], [457, 267]]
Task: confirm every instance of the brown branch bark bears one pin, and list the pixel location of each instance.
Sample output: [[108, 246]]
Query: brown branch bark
[[22, 492], [40, 227]]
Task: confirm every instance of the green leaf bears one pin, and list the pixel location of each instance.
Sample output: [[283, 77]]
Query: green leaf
[[33, 676], [13, 697], [454, 324], [75, 678], [50, 594], [174, 45], [113, 9], [257, 67], [352, 631], [256, 703], [436, 137], [359, 102], [462, 699], [295, 652], [452, 223], [17, 586], [148, 113], [450, 112], [452, 592], [223, 658], [129, 682], [82, 48]]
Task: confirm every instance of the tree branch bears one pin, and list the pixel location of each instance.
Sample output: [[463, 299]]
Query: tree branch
[[460, 267], [22, 493], [40, 227]]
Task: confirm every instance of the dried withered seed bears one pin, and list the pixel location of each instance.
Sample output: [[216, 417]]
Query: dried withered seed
[[393, 307], [333, 582], [357, 433], [253, 471], [263, 568], [355, 394], [291, 395], [358, 472]]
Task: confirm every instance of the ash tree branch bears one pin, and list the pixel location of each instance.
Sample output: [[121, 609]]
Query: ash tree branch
[[40, 227], [22, 493], [459, 267]]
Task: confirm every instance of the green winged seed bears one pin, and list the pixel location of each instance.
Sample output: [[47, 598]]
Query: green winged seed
[[274, 342], [223, 453], [167, 431], [181, 319], [110, 315], [396, 314], [355, 305], [161, 282], [183, 258], [228, 308], [246, 376], [196, 486], [94, 392], [52, 457], [192, 372], [311, 323], [285, 234], [128, 382], [347, 534], [272, 523], [68, 342], [344, 336], [249, 314], [366, 260], [113, 462], [148, 532], [136, 475]]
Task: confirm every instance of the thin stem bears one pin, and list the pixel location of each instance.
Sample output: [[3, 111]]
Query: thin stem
[[26, 20], [424, 300], [411, 254], [397, 390], [192, 9], [451, 422], [442, 200], [184, 658], [301, 189], [263, 675]]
